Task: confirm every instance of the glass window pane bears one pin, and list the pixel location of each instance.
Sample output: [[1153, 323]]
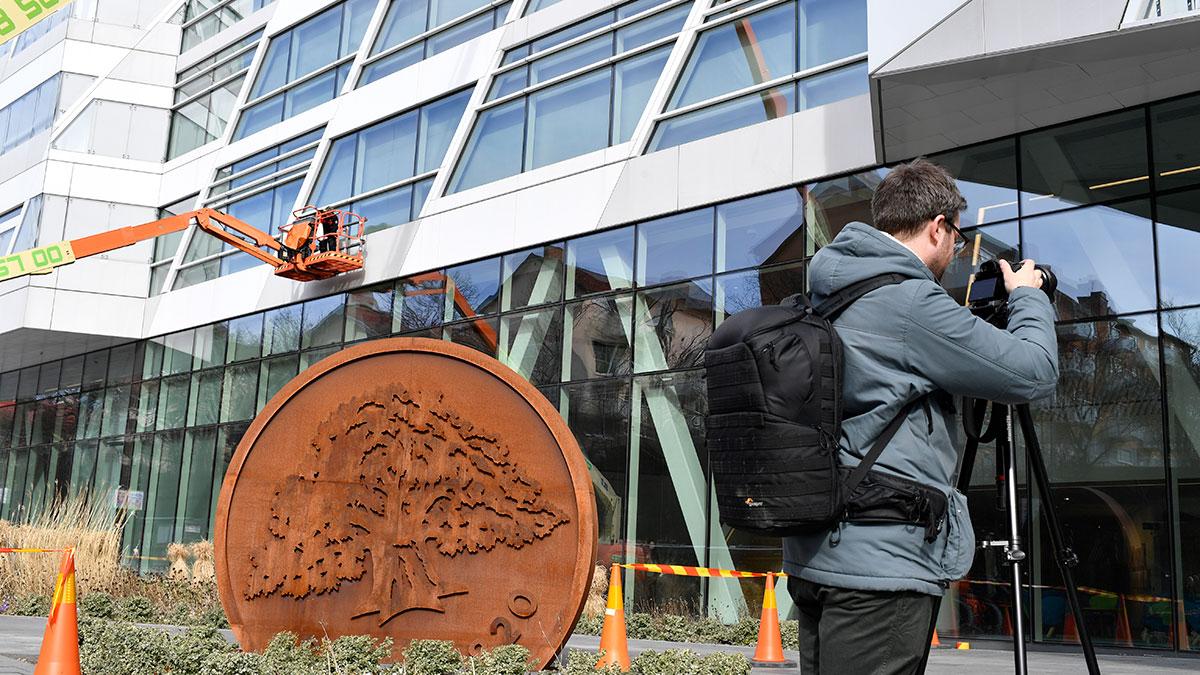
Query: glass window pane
[[473, 289], [244, 338], [173, 402], [570, 32], [597, 338], [1103, 258], [530, 344], [177, 355], [307, 359], [238, 395], [315, 43], [1175, 128], [91, 411], [987, 177], [533, 277], [831, 30], [420, 302], [1181, 354], [479, 334], [672, 326], [460, 33], [439, 120], [273, 374], [210, 345], [652, 28], [260, 116], [994, 242], [494, 148], [832, 204], [668, 496], [675, 247], [273, 72], [310, 94], [322, 321], [719, 63], [569, 119], [830, 87], [635, 80], [196, 484], [1178, 239], [336, 180], [760, 230], [598, 414], [205, 399], [508, 83], [600, 262], [384, 210], [147, 406], [756, 288], [420, 193], [740, 112], [1085, 162], [386, 153], [282, 330], [116, 410], [356, 16], [442, 11], [160, 500], [404, 20], [368, 313], [392, 63], [152, 359], [572, 58], [95, 365]]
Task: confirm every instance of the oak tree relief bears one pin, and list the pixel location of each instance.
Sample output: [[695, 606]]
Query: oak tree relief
[[397, 484]]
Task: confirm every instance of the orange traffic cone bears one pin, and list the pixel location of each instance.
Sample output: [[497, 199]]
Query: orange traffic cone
[[769, 652], [935, 642], [60, 645], [1070, 632], [612, 638], [1124, 634]]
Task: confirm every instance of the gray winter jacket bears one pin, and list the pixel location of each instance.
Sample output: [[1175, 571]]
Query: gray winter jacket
[[901, 342]]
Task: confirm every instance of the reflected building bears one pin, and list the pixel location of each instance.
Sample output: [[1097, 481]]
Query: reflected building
[[585, 190]]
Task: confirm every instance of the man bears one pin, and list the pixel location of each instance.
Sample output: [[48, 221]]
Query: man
[[867, 592]]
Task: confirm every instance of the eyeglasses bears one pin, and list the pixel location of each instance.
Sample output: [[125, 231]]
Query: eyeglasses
[[961, 242]]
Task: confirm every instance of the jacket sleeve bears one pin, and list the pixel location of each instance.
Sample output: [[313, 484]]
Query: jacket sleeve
[[966, 356]]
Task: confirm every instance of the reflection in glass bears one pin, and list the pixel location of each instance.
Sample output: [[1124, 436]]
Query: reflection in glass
[[1175, 128], [473, 289], [205, 398], [832, 204], [195, 485], [244, 339], [760, 230], [238, 393], [756, 288], [597, 338], [668, 495], [420, 302], [173, 402], [478, 334], [740, 112], [282, 330], [568, 119], [992, 242], [1181, 356], [1103, 258], [160, 500], [600, 262], [494, 148], [635, 80], [987, 177], [675, 247], [533, 277], [531, 344], [322, 323], [672, 326], [1083, 163], [1178, 241], [275, 373], [598, 414], [368, 313]]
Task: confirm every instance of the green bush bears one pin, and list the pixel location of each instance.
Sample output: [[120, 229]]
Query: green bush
[[31, 604], [431, 657], [584, 663], [136, 609], [98, 604], [119, 648], [503, 660], [670, 662], [744, 632], [589, 624], [638, 626], [287, 654], [726, 663], [357, 654], [790, 631]]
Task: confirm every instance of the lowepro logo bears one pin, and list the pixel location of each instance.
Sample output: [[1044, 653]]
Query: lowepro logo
[[751, 503]]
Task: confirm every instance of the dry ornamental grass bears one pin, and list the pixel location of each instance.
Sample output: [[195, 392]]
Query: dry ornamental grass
[[91, 527]]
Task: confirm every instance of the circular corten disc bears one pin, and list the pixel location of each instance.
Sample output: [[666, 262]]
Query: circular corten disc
[[412, 489]]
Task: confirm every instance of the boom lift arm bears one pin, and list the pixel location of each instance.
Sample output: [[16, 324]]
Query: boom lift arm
[[317, 244]]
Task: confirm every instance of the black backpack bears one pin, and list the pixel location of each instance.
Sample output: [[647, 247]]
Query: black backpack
[[774, 377]]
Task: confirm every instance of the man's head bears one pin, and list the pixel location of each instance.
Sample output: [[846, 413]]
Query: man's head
[[918, 203]]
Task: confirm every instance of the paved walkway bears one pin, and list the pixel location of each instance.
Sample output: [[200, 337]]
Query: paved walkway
[[21, 637]]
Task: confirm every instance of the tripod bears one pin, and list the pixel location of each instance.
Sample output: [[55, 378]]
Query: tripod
[[1000, 430]]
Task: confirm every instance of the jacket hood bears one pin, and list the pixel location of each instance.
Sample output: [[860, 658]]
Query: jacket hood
[[859, 252]]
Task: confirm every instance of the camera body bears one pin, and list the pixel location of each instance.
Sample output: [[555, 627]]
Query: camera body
[[987, 297]]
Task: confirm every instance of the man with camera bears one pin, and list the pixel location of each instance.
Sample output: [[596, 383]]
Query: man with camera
[[867, 592]]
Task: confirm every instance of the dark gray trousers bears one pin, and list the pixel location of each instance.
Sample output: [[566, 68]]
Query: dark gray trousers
[[848, 632]]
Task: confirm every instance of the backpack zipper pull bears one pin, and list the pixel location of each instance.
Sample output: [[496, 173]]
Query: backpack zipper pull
[[769, 350]]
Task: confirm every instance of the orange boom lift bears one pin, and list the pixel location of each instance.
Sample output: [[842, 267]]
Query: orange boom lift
[[317, 244]]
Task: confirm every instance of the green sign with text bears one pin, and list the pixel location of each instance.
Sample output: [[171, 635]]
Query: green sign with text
[[17, 15], [38, 260]]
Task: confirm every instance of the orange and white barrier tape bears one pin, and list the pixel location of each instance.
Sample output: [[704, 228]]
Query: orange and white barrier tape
[[32, 550], [684, 570]]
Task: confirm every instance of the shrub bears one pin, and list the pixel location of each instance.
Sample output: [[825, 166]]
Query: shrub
[[116, 648], [589, 624], [29, 604], [726, 663], [136, 609], [670, 662], [99, 605], [503, 660], [790, 632], [431, 657], [360, 654], [584, 663], [637, 625], [744, 632]]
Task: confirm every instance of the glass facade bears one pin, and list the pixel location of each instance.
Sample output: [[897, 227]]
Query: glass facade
[[205, 94], [413, 31], [611, 326], [203, 19], [549, 101]]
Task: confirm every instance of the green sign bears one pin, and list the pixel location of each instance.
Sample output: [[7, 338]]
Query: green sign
[[18, 15], [37, 260]]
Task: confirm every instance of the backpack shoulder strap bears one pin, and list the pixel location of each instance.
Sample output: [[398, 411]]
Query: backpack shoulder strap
[[876, 450], [842, 299]]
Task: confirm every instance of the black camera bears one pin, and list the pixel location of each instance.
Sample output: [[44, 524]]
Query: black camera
[[987, 297]]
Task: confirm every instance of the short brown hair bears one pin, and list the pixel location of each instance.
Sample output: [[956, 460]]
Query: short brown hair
[[913, 194]]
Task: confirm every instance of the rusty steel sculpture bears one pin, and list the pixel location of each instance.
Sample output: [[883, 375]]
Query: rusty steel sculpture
[[412, 489]]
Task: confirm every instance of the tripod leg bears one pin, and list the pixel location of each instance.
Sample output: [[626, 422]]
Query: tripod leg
[[1065, 558], [1006, 483]]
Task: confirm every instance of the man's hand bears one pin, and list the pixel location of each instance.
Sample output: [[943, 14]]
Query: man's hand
[[1028, 275]]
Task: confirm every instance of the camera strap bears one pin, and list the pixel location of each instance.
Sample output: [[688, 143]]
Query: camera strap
[[889, 432]]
